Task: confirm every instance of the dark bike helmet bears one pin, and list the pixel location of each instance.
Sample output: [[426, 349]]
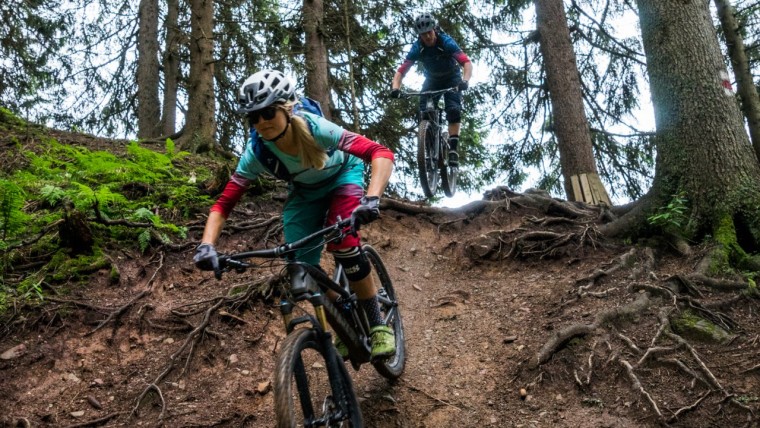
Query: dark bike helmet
[[263, 89], [424, 23]]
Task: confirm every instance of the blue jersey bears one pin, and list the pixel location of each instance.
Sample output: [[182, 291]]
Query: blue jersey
[[439, 62]]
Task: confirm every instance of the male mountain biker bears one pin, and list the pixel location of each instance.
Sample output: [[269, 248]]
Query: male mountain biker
[[326, 173], [442, 60]]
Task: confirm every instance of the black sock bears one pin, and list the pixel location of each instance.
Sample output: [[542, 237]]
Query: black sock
[[453, 142], [372, 309]]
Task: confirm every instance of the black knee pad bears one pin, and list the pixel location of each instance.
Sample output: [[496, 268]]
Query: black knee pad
[[354, 263], [454, 116]]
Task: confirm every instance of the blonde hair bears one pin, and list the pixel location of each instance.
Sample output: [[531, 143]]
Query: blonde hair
[[312, 154]]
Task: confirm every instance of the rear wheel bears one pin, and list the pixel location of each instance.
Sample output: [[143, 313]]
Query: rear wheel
[[427, 158], [304, 393], [392, 367], [448, 173]]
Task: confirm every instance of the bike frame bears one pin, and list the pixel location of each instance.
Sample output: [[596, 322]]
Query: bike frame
[[432, 146], [309, 283], [433, 111]]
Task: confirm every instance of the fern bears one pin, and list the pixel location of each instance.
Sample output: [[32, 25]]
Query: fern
[[52, 194], [12, 218], [170, 148], [144, 214], [143, 240]]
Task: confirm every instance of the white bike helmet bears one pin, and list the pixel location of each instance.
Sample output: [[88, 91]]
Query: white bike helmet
[[424, 23], [263, 89]]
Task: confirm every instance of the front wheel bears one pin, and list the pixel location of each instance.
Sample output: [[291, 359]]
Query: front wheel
[[427, 158], [390, 368], [305, 395], [448, 173]]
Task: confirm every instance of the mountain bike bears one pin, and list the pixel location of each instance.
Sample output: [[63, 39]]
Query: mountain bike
[[312, 387], [433, 147]]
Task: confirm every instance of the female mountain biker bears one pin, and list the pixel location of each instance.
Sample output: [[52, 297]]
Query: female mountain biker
[[326, 164], [442, 59]]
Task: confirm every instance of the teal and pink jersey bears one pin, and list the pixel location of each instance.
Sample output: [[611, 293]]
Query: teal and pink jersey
[[316, 196], [336, 141]]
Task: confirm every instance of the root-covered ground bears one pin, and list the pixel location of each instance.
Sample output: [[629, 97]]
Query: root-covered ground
[[517, 313]]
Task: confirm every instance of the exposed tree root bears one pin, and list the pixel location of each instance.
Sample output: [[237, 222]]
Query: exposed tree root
[[260, 288], [120, 311], [561, 337], [666, 348], [96, 422]]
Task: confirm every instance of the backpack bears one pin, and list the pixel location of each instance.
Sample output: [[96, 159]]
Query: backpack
[[268, 159]]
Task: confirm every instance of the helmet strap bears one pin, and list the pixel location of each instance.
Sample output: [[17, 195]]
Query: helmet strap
[[281, 134]]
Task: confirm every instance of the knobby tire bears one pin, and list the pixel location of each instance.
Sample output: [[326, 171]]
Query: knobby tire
[[427, 158], [390, 368], [448, 174], [301, 374]]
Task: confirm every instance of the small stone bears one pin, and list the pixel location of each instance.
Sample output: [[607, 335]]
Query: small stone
[[245, 372], [523, 393], [169, 340], [510, 339], [14, 352], [94, 402], [78, 413], [233, 359], [264, 387]]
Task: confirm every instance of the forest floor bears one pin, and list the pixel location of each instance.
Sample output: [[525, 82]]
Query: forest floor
[[501, 330]]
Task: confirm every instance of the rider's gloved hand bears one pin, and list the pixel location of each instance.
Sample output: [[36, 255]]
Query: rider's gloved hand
[[463, 85], [206, 257], [367, 211], [396, 93]]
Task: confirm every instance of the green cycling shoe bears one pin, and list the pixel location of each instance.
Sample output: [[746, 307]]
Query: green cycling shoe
[[382, 339], [383, 342]]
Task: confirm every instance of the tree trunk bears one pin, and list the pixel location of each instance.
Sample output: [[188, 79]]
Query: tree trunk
[[745, 85], [148, 106], [317, 85], [171, 67], [576, 154], [354, 105], [702, 148], [200, 124]]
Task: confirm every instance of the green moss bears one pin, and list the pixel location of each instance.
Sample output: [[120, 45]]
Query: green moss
[[730, 255], [691, 325], [65, 268], [159, 189], [115, 275]]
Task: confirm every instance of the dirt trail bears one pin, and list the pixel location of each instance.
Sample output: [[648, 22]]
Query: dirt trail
[[472, 328]]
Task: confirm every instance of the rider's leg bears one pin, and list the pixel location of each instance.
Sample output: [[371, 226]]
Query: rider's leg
[[358, 268], [454, 117], [454, 144], [303, 214]]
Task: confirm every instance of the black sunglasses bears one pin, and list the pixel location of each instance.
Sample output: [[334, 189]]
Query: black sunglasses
[[267, 113]]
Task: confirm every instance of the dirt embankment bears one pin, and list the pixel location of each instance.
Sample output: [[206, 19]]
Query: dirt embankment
[[476, 323]]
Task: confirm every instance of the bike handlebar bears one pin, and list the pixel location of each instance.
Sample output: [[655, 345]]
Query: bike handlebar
[[334, 232], [436, 92]]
